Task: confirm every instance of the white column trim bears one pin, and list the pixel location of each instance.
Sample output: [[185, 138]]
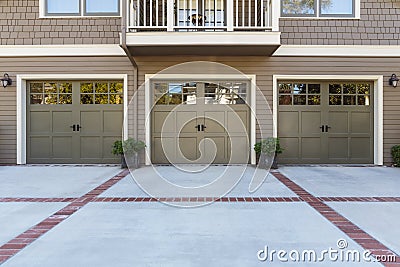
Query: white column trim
[[21, 102], [229, 18], [170, 16], [378, 121], [276, 13], [378, 103], [148, 103], [147, 119]]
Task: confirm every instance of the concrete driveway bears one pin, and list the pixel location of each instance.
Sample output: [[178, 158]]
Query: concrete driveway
[[98, 216]]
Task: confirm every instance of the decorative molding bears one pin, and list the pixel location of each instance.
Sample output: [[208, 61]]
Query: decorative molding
[[60, 50], [338, 51]]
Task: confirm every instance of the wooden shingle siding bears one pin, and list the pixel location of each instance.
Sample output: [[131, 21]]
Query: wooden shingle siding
[[46, 65], [266, 67], [378, 25], [20, 25]]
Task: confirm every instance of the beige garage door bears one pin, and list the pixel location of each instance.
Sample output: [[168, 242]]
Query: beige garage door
[[326, 122], [187, 116], [73, 121]]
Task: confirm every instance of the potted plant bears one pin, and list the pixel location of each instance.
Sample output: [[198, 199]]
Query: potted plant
[[128, 149], [268, 148], [396, 155]]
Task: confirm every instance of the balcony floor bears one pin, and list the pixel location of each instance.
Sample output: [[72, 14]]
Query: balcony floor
[[203, 43]]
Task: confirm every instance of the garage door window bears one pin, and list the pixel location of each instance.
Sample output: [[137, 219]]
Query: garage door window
[[101, 93], [349, 94], [175, 93], [299, 94], [226, 93], [50, 93]]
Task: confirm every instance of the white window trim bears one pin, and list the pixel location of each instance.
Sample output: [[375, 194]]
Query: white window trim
[[357, 14], [378, 103], [149, 78], [21, 102], [42, 12]]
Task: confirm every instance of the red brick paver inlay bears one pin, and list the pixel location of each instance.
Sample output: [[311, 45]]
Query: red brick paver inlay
[[202, 199], [353, 231], [197, 199], [26, 238]]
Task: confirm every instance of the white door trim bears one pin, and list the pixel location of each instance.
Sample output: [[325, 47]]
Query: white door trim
[[378, 103], [21, 102], [148, 103]]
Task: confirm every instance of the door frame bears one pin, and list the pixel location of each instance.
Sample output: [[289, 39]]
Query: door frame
[[21, 102], [149, 78], [377, 110]]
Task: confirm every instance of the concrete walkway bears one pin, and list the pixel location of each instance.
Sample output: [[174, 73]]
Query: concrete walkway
[[95, 216]]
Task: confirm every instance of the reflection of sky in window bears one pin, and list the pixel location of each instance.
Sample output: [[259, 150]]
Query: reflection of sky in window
[[63, 6], [299, 89], [337, 7], [99, 6], [175, 88]]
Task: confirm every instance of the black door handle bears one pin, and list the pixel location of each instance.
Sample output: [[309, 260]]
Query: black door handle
[[78, 127], [198, 127], [322, 128], [203, 127], [73, 128], [327, 128]]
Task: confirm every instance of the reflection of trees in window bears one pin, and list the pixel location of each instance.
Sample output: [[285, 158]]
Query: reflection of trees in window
[[50, 93], [303, 7], [299, 94], [349, 94], [175, 93], [229, 93], [101, 92]]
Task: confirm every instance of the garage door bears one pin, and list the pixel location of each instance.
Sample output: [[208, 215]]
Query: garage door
[[326, 122], [73, 121], [188, 115]]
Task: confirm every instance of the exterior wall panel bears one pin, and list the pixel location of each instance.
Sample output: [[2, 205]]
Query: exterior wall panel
[[378, 25], [265, 67], [20, 25], [46, 65]]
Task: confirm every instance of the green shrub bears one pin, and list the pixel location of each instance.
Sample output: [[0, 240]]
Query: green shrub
[[268, 146], [128, 146], [131, 146], [396, 155], [117, 148]]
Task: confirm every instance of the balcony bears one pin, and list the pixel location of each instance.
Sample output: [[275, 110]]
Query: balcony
[[203, 27]]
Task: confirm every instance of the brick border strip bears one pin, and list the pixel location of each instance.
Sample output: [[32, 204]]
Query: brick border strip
[[202, 199], [365, 240], [15, 245], [197, 199]]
